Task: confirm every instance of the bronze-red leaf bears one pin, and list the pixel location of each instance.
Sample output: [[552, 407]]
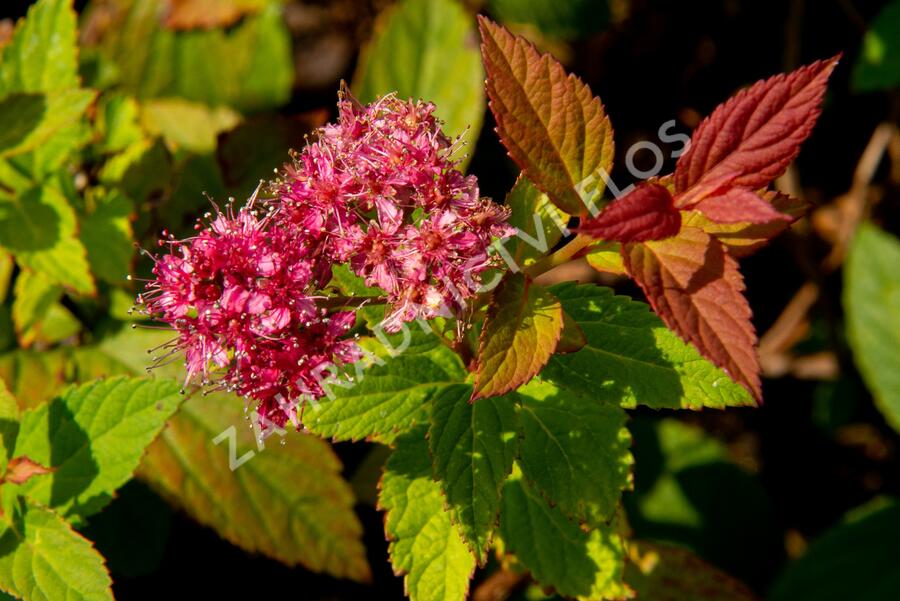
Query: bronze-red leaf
[[646, 213], [739, 205], [758, 131], [694, 285]]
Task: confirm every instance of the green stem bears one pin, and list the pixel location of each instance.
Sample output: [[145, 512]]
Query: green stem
[[561, 256], [334, 302]]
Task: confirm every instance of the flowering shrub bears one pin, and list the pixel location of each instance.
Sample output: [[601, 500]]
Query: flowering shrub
[[517, 420]]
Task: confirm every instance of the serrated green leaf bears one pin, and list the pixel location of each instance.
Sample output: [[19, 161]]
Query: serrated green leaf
[[663, 572], [427, 49], [520, 333], [878, 64], [39, 227], [42, 55], [247, 67], [557, 552], [553, 126], [631, 356], [93, 436], [20, 115], [384, 400], [107, 236], [539, 222], [473, 445], [575, 451], [872, 302], [856, 559], [44, 117], [425, 545], [287, 501], [44, 559]]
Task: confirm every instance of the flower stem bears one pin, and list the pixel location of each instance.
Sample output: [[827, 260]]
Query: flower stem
[[561, 256], [333, 302]]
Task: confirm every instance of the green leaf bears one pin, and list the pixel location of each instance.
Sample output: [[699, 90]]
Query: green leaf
[[473, 445], [247, 67], [666, 572], [42, 55], [385, 399], [539, 223], [107, 236], [425, 545], [872, 303], [20, 115], [520, 333], [566, 20], [39, 228], [427, 49], [33, 296], [31, 121], [606, 257], [557, 552], [687, 491], [856, 559], [42, 558], [633, 359], [93, 436], [9, 424], [553, 126], [34, 377], [117, 123], [575, 451], [187, 125], [878, 64], [350, 284], [286, 501]]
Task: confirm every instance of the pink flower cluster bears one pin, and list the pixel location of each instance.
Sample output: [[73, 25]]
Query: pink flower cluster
[[379, 191], [241, 297]]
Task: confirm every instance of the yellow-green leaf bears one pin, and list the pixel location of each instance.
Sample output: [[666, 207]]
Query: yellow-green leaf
[[553, 126], [520, 333]]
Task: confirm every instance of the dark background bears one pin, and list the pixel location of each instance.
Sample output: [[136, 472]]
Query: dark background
[[818, 447]]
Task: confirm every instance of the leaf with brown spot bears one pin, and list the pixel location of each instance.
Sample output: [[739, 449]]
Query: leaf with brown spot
[[20, 469]]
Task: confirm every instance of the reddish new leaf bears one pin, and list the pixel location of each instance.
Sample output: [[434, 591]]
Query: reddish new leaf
[[694, 285], [739, 205], [551, 124], [521, 331], [757, 132], [646, 213], [744, 239]]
